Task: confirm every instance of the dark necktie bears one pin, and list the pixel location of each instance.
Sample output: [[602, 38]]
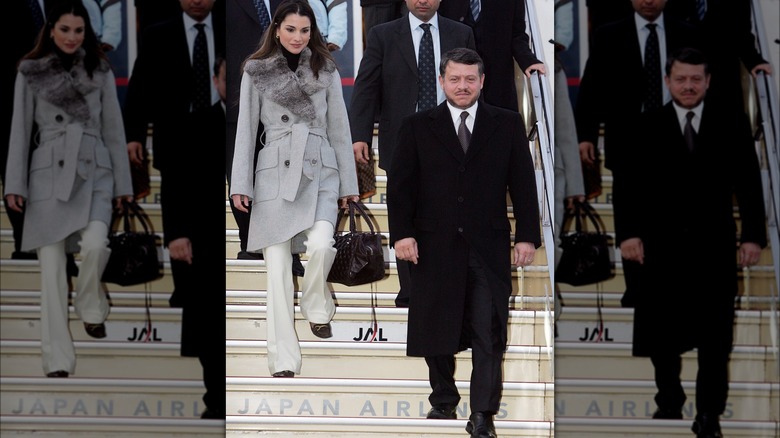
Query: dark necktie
[[653, 96], [200, 67], [464, 135], [426, 71], [701, 9], [475, 9], [262, 13], [37, 15], [688, 132]]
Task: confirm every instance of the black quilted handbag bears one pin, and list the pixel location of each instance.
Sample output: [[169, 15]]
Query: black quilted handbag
[[588, 253], [136, 253], [359, 255]]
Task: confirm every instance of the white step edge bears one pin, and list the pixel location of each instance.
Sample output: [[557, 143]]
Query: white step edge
[[380, 383], [389, 264], [350, 421], [258, 308], [623, 383], [81, 382], [388, 346], [627, 424], [97, 345], [113, 295], [112, 421], [590, 311], [363, 296], [116, 310], [626, 346]]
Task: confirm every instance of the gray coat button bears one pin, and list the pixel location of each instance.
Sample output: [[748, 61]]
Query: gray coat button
[[285, 118]]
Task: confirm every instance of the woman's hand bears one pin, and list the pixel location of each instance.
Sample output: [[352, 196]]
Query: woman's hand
[[241, 202], [119, 202], [14, 202], [343, 202]]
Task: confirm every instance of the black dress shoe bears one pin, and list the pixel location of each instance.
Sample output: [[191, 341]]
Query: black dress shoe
[[59, 373], [244, 255], [212, 415], [97, 331], [480, 425], [667, 414], [321, 330], [706, 426], [442, 412], [297, 266], [285, 373], [21, 255]]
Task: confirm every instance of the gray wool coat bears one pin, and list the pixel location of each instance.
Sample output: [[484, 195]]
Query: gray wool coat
[[79, 160], [306, 131]]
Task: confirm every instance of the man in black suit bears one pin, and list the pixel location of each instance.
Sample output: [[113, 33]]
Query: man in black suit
[[613, 89], [161, 92], [499, 33], [448, 216], [161, 89], [707, 156], [388, 82], [190, 243]]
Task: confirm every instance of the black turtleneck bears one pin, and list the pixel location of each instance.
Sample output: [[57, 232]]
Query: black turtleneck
[[292, 58], [66, 59]]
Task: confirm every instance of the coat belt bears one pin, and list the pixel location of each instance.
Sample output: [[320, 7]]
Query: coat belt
[[299, 136], [73, 133]]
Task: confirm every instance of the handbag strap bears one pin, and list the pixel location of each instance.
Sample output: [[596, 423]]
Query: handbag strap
[[583, 210], [352, 207], [133, 210]]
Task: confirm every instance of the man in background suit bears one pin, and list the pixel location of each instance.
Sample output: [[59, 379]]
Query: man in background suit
[[191, 244], [388, 81], [447, 206], [706, 166], [161, 87], [613, 90], [499, 34]]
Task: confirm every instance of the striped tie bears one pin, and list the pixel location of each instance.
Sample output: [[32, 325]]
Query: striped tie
[[701, 9], [475, 9]]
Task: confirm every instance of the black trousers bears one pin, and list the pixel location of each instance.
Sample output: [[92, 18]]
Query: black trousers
[[481, 325], [712, 380]]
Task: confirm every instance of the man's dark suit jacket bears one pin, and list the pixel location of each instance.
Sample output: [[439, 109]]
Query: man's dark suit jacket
[[680, 202], [500, 36], [613, 87], [161, 86], [387, 80], [453, 204]]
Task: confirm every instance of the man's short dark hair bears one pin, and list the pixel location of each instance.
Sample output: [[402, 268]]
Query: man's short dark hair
[[687, 55], [461, 55]]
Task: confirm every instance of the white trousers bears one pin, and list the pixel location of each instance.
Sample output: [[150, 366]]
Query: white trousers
[[90, 303], [316, 303]]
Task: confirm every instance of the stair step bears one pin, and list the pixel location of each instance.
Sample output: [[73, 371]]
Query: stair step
[[579, 360], [614, 398], [326, 427], [101, 427], [374, 398], [327, 359], [636, 428], [97, 359]]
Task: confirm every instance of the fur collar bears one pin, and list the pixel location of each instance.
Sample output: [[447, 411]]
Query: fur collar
[[290, 89], [48, 78]]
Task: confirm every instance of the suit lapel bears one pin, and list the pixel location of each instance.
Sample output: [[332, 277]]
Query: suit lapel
[[406, 45], [485, 126], [444, 130]]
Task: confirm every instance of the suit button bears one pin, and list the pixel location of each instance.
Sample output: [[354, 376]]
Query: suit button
[[89, 161], [61, 163], [59, 118], [285, 118], [314, 162], [461, 169], [460, 229], [460, 198], [286, 163]]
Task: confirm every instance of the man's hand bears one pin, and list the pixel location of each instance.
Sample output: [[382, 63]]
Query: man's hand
[[535, 67], [360, 149], [523, 254], [406, 249], [588, 153], [181, 249], [633, 249], [135, 151]]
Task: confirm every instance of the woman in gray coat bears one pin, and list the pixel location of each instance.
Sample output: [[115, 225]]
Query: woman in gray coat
[[304, 171], [68, 124]]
